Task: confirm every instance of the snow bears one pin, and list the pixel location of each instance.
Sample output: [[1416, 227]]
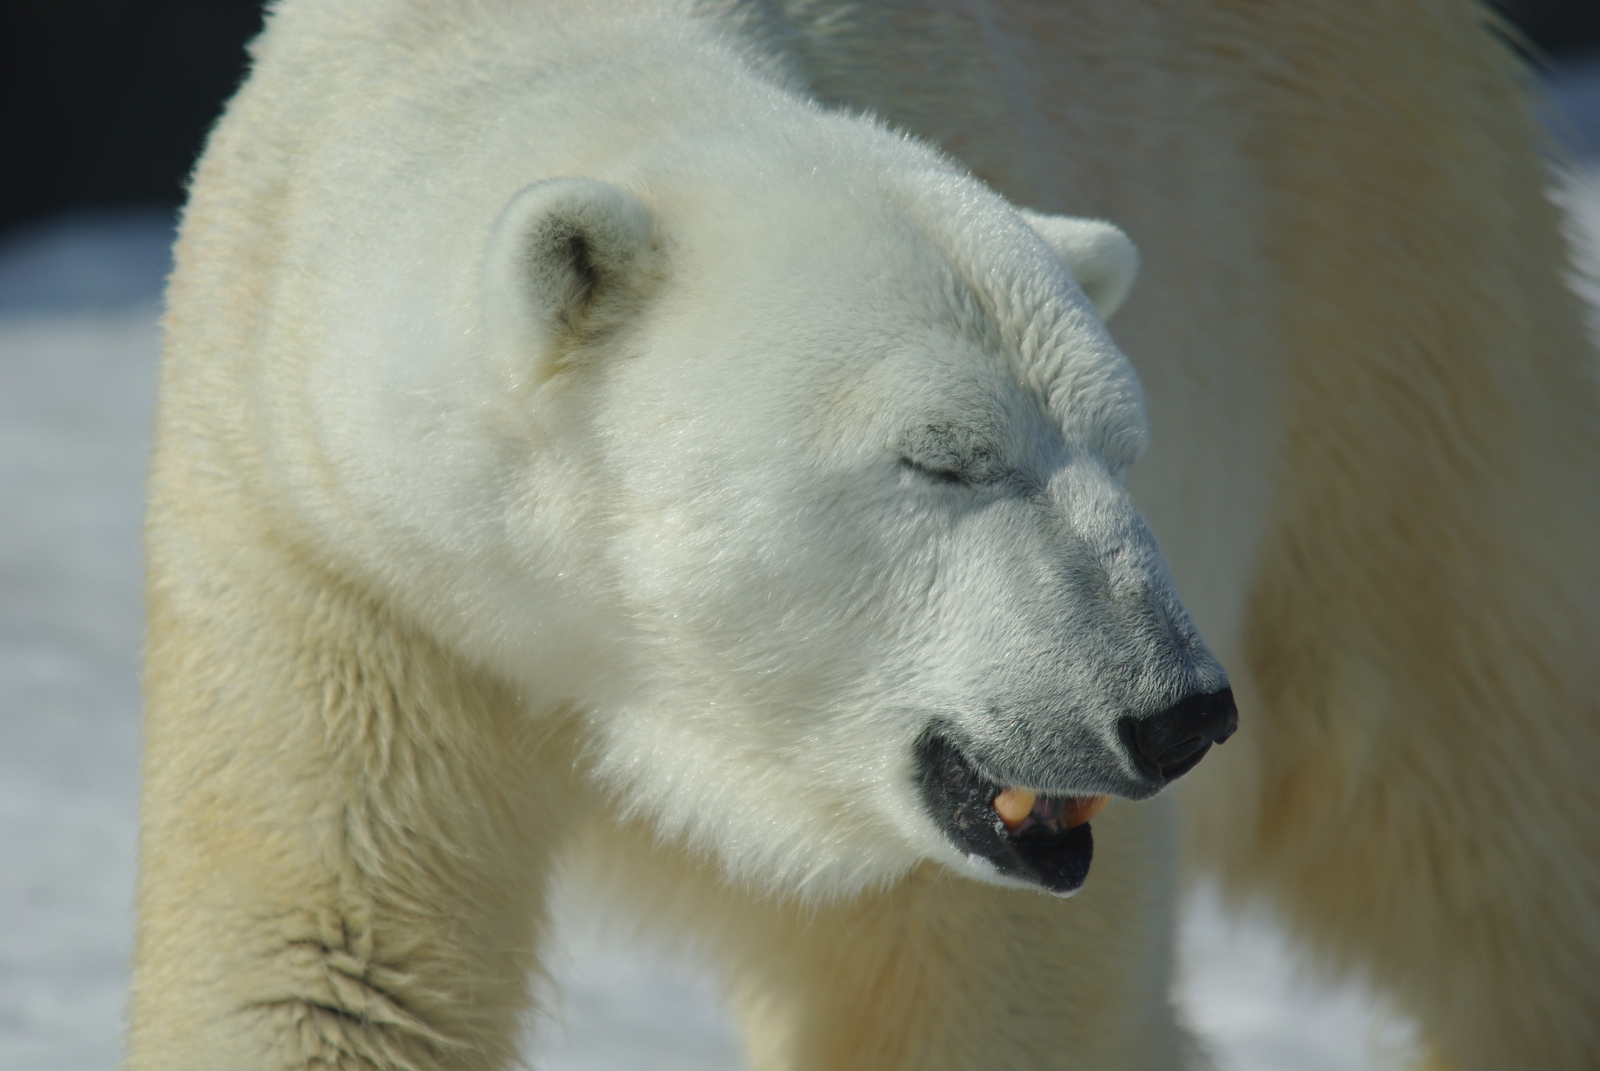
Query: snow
[[75, 399], [78, 347]]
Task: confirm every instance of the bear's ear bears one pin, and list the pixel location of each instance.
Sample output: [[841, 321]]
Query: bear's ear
[[564, 263], [1101, 258]]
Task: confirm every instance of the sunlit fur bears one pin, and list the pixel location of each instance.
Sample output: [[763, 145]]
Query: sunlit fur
[[432, 622], [578, 444]]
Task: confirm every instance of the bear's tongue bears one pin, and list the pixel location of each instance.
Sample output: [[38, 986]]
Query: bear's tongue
[[1020, 810]]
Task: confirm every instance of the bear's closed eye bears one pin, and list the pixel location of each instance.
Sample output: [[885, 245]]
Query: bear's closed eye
[[937, 472]]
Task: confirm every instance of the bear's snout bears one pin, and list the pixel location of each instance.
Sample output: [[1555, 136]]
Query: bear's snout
[[1167, 745]]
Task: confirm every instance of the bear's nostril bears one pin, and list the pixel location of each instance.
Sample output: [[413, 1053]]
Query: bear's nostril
[[1175, 740]]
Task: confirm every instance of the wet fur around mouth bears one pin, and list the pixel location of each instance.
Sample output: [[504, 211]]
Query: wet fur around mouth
[[961, 801]]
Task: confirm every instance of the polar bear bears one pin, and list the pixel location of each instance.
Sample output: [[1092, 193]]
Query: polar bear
[[860, 603], [579, 449]]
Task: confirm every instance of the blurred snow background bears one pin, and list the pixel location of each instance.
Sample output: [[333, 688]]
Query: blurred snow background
[[78, 348]]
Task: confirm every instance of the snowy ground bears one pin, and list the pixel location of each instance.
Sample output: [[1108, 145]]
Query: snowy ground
[[77, 369]]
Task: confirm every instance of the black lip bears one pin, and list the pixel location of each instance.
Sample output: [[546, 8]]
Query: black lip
[[962, 803]]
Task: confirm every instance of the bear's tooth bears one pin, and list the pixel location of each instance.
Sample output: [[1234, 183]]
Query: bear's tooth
[[1014, 805], [1080, 810]]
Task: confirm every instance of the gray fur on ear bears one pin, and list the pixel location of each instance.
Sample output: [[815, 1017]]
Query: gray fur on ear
[[1101, 258], [563, 263]]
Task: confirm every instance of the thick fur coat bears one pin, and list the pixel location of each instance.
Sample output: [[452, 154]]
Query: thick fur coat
[[573, 440]]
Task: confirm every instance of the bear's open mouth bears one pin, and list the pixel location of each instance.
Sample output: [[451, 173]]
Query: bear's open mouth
[[1044, 840]]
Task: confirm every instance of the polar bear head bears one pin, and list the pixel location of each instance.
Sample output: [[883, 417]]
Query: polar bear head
[[799, 469]]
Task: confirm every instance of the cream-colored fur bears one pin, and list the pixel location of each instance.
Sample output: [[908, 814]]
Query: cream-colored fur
[[1373, 462], [935, 972], [1372, 468]]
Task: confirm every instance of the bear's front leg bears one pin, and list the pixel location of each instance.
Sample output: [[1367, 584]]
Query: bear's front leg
[[346, 832], [940, 973], [936, 973]]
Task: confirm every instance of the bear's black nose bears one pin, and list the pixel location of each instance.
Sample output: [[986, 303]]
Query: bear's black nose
[[1172, 742]]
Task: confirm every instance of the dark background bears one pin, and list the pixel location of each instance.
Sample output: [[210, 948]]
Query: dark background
[[104, 103]]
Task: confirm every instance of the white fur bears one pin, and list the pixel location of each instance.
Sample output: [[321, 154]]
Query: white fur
[[476, 553], [692, 521]]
